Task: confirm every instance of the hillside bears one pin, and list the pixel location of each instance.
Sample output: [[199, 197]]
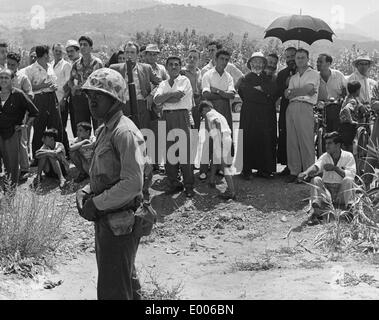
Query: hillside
[[264, 17], [102, 27], [370, 24], [17, 14], [258, 16]]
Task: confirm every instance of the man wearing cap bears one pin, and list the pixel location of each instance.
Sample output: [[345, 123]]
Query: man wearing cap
[[258, 118], [174, 96], [81, 69], [144, 79], [302, 93], [67, 107], [115, 189]]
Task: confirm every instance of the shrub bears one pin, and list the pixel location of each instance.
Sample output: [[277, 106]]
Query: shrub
[[30, 225]]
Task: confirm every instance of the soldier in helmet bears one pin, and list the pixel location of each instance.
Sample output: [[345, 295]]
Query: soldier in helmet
[[115, 189]]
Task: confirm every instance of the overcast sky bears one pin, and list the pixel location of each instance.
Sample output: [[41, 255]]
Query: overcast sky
[[353, 9]]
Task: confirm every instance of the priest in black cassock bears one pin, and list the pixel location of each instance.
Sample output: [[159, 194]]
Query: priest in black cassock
[[258, 119]]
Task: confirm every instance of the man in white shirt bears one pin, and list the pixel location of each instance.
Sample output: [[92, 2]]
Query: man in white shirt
[[218, 87], [332, 82], [44, 84], [230, 68], [363, 65], [174, 97], [338, 172], [302, 93]]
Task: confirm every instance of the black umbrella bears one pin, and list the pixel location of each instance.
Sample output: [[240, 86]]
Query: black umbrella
[[299, 27]]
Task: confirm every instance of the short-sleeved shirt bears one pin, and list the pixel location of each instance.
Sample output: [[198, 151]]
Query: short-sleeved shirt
[[22, 82], [230, 68], [86, 150], [213, 79], [309, 76], [81, 72], [181, 83], [367, 86], [13, 112], [62, 70], [346, 163], [117, 166], [38, 75], [334, 87]]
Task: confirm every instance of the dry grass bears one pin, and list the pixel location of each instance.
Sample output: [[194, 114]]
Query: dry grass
[[357, 229], [261, 263], [31, 227], [153, 289]]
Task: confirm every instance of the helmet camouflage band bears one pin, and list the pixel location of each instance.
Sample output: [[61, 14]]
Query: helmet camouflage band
[[108, 81]]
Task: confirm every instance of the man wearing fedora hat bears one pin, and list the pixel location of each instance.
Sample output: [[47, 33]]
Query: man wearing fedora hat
[[362, 65]]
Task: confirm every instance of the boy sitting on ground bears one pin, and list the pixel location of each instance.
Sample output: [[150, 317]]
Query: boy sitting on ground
[[220, 133], [81, 150], [51, 159]]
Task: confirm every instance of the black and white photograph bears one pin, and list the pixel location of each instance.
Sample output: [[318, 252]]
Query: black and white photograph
[[214, 151]]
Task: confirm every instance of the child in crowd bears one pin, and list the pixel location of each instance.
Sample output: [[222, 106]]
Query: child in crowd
[[220, 133], [51, 159], [351, 113], [81, 150]]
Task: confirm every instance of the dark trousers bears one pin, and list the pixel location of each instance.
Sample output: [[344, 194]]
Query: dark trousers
[[82, 112], [115, 255], [144, 115], [179, 119], [282, 138], [49, 117], [68, 110], [10, 152]]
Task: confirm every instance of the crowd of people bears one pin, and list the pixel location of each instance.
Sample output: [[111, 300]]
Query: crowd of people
[[116, 155]]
